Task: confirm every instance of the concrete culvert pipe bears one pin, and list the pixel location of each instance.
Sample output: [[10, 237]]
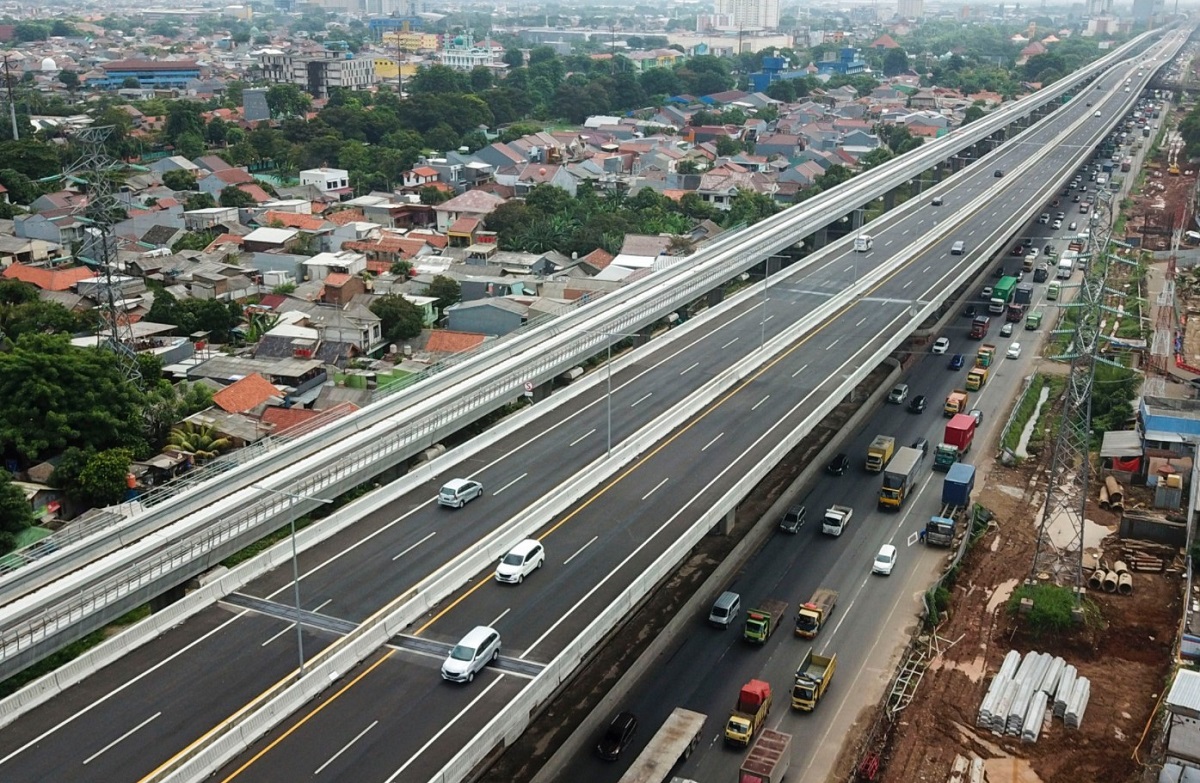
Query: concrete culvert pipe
[[1125, 584], [1096, 580], [1110, 582], [1120, 567]]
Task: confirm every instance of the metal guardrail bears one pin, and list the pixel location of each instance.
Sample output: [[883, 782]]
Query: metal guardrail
[[699, 275]]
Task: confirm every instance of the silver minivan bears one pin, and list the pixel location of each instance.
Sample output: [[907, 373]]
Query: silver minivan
[[725, 609], [477, 649], [957, 248]]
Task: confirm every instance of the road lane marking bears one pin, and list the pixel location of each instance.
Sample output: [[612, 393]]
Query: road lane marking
[[861, 321], [768, 318], [322, 606], [290, 627], [579, 551], [493, 623], [711, 442], [689, 369], [657, 487], [642, 399], [107, 747], [926, 269], [444, 729], [906, 285], [414, 546], [345, 748], [802, 369], [509, 484], [141, 675], [290, 730], [731, 342], [835, 342], [583, 437], [760, 402]]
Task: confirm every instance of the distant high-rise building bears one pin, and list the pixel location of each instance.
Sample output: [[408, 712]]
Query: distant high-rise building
[[1145, 10], [1099, 7], [911, 9], [254, 104], [753, 14]]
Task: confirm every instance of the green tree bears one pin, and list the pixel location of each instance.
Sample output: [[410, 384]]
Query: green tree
[[782, 90], [876, 157], [401, 268], [130, 83], [21, 189], [727, 145], [16, 515], [69, 79], [199, 440], [102, 482], [514, 57], [233, 196], [895, 62], [183, 117], [400, 319], [973, 112], [287, 100], [54, 396], [446, 290], [32, 157], [200, 201], [432, 196], [189, 145], [36, 317], [179, 180]]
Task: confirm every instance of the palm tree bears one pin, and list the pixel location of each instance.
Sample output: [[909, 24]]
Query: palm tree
[[198, 440], [681, 245]]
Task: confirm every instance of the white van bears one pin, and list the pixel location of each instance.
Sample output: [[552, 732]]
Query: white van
[[477, 649], [725, 609], [957, 248]]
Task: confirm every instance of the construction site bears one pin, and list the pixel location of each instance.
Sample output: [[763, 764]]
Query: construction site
[[947, 718]]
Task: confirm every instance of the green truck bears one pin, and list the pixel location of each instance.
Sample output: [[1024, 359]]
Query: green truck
[[1033, 320], [1002, 294], [762, 621]]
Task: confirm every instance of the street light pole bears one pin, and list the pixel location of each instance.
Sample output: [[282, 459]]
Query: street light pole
[[295, 568], [608, 372]]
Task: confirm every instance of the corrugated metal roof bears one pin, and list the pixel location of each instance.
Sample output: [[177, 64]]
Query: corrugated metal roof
[[1184, 697]]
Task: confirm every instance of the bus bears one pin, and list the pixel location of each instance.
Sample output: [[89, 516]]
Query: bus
[[674, 742]]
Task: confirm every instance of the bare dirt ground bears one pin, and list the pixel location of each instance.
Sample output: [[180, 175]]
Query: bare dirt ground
[[522, 760], [1127, 660]]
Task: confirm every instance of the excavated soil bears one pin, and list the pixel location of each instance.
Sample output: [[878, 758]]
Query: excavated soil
[[1132, 648]]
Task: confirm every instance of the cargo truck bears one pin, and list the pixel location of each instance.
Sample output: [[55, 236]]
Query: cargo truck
[[900, 478], [976, 378], [1014, 313], [879, 452], [958, 485], [836, 520], [1033, 320], [956, 442], [762, 622], [986, 355], [939, 531], [1002, 294], [750, 713], [674, 742], [979, 327], [1066, 266], [956, 402], [863, 243], [1053, 289], [812, 678], [1023, 294], [769, 758], [812, 614]]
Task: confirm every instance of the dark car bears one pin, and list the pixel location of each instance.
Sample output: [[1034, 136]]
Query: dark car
[[1075, 199], [838, 465], [1018, 250], [792, 519], [917, 404], [999, 272], [617, 736], [997, 173], [1048, 250], [969, 311], [921, 445], [1055, 202], [1027, 241], [957, 361]]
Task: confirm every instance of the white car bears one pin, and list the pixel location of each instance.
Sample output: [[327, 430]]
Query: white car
[[456, 493], [885, 560], [1057, 225], [521, 561], [1014, 351], [941, 345], [477, 649]]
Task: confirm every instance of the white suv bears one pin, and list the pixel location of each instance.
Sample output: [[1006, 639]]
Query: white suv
[[476, 650], [941, 345], [521, 561], [456, 493]]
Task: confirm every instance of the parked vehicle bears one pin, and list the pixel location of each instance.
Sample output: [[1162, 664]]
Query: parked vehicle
[[837, 519], [879, 452], [900, 478], [762, 622], [812, 679], [958, 485], [771, 755], [813, 613], [749, 714]]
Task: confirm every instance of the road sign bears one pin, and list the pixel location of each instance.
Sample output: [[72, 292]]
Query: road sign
[[528, 389]]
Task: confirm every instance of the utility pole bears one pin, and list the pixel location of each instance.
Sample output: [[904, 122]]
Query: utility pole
[[12, 104]]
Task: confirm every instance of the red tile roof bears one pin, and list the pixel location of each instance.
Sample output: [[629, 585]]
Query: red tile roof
[[245, 394], [342, 217], [464, 225], [598, 258], [61, 279], [337, 279], [292, 220], [425, 171], [232, 176], [257, 193], [285, 419], [272, 300], [443, 341]]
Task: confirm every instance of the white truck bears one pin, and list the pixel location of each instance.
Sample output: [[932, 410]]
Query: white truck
[[836, 520], [1066, 265], [862, 243]]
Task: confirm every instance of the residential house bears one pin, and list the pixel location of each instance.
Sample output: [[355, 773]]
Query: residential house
[[246, 394], [491, 316], [322, 265], [419, 177], [210, 218], [719, 186], [174, 163], [62, 278], [211, 163], [216, 181], [473, 204], [59, 201], [785, 145], [264, 239], [17, 250], [332, 183]]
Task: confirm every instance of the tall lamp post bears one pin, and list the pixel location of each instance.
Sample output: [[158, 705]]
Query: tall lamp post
[[608, 376], [295, 566], [766, 282]]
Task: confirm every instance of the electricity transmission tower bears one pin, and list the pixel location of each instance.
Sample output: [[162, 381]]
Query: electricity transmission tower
[[99, 247], [1059, 555], [1162, 344]]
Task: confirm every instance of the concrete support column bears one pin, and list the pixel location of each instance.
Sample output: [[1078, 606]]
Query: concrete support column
[[889, 200], [643, 336], [856, 220], [161, 602], [715, 297], [820, 238], [725, 525]]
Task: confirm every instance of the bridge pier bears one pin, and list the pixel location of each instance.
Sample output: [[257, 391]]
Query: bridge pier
[[725, 525], [160, 602], [715, 297], [821, 236], [889, 199]]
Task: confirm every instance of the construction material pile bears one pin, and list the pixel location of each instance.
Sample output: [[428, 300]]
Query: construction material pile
[[1017, 700]]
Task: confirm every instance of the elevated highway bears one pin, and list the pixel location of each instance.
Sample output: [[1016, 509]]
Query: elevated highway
[[820, 329], [85, 583]]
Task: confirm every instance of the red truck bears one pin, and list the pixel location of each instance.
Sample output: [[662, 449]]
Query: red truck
[[956, 441], [979, 327]]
